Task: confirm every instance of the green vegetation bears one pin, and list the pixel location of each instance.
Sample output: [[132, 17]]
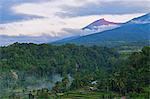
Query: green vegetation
[[85, 72]]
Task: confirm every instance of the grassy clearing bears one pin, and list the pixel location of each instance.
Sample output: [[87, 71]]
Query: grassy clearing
[[84, 94]]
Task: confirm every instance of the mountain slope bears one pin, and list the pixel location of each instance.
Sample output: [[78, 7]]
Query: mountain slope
[[140, 20], [99, 26], [126, 33], [132, 32], [67, 39]]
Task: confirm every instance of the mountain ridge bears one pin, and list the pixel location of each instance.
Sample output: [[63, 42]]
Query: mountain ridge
[[99, 22], [127, 32]]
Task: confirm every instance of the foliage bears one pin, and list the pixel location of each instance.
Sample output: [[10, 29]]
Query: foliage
[[103, 66]]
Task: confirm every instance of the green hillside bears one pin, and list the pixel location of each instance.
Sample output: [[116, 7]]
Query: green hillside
[[58, 71]]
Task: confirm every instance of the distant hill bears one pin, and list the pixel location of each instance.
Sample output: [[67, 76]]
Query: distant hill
[[67, 39], [137, 31], [100, 25], [140, 20]]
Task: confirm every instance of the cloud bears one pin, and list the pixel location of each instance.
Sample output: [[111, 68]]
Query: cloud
[[55, 26], [49, 8], [6, 40], [7, 14], [62, 18], [73, 8], [108, 7]]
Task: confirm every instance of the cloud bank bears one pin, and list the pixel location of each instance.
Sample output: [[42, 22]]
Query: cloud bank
[[35, 18]]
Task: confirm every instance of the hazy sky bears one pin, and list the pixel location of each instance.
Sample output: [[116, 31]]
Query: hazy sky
[[54, 17]]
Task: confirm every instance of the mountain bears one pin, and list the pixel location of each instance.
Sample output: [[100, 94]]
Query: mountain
[[140, 20], [96, 26], [67, 39], [101, 25], [126, 33]]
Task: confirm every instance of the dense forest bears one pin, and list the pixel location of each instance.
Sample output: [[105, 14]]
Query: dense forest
[[61, 69]]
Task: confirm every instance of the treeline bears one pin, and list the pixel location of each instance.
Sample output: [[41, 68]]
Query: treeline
[[127, 76], [99, 68], [132, 74], [23, 64], [44, 58]]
